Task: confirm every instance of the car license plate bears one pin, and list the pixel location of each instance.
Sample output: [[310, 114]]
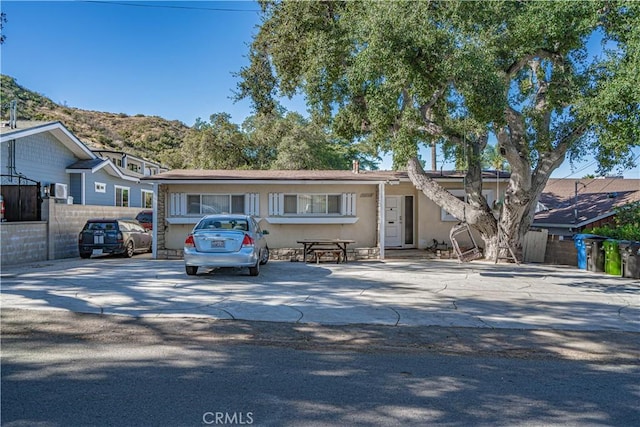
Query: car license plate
[[217, 243], [96, 252]]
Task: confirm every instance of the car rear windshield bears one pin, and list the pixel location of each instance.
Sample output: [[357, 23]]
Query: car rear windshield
[[223, 224], [101, 226]]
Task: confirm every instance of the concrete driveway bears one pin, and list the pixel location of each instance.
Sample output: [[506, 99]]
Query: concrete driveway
[[416, 292]]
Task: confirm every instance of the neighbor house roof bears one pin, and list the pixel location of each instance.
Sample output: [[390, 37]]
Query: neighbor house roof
[[27, 128], [596, 199], [95, 165]]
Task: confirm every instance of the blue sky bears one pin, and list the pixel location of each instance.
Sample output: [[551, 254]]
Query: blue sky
[[170, 59]]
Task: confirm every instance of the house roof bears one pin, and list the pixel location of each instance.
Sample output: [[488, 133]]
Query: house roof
[[182, 175], [122, 154], [57, 129], [597, 198], [86, 164]]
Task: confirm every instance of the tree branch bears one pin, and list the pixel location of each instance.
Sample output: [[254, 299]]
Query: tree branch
[[514, 68]]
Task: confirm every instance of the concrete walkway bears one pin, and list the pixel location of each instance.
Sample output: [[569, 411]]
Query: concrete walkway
[[415, 293]]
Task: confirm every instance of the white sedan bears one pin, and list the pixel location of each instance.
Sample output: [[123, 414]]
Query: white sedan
[[226, 240]]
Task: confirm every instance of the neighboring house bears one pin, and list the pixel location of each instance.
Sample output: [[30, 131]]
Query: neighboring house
[[133, 165], [376, 209], [569, 206], [49, 154]]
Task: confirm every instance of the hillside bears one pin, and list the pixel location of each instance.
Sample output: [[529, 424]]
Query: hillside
[[149, 137]]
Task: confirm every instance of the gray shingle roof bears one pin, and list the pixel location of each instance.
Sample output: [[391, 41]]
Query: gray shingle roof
[[597, 197], [86, 164]]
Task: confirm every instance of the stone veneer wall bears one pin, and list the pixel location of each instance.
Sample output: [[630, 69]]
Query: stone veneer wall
[[286, 254]]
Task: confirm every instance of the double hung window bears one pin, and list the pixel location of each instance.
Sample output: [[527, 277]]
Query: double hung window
[[122, 196], [312, 204], [203, 204]]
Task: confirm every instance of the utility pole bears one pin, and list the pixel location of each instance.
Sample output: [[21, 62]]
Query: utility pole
[[575, 199]]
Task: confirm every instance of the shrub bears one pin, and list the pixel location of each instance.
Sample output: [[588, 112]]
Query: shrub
[[626, 225]]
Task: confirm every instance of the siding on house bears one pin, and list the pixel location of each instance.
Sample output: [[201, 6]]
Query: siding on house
[[48, 153], [93, 197], [39, 157]]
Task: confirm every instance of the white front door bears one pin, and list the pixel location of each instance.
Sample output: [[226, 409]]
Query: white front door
[[393, 221]]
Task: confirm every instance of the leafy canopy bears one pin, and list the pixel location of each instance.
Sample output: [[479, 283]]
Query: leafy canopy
[[395, 75]]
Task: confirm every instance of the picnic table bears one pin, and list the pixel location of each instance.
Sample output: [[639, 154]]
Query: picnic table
[[322, 247]]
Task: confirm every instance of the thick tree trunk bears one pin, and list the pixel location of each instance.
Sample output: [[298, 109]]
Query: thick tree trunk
[[475, 212], [515, 215]]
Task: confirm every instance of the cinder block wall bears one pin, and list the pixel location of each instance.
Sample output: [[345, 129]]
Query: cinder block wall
[[561, 252], [66, 221], [56, 236], [23, 242]]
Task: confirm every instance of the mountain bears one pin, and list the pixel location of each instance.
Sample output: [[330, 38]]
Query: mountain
[[150, 137]]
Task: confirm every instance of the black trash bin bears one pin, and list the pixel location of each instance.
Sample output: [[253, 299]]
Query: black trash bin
[[630, 254], [595, 253]]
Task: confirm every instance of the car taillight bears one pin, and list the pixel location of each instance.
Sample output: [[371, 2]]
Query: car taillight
[[120, 237], [247, 241], [189, 243]]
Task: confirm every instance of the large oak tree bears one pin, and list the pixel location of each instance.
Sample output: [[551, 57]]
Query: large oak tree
[[399, 74]]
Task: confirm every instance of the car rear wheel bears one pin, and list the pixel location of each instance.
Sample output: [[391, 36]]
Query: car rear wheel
[[85, 255], [191, 270], [255, 270], [128, 251], [265, 256]]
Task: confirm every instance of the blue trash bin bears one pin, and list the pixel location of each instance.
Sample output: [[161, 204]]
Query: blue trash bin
[[581, 246]]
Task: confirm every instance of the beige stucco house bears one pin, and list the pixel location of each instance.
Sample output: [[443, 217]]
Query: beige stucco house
[[375, 209]]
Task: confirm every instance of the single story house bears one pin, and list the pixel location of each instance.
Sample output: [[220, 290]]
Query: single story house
[[49, 155], [375, 209], [569, 206]]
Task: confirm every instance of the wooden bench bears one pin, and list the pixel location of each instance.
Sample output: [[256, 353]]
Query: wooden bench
[[337, 248], [336, 254]]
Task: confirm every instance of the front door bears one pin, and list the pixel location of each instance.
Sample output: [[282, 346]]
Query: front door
[[399, 222], [393, 221]]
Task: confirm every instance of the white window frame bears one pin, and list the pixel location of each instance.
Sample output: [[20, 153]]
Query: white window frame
[[302, 211], [229, 195], [144, 197], [100, 187], [346, 206], [128, 190], [178, 206]]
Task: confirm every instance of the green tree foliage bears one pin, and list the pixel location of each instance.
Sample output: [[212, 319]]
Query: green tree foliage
[[626, 224], [217, 144], [3, 20], [492, 159], [395, 75], [268, 141]]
